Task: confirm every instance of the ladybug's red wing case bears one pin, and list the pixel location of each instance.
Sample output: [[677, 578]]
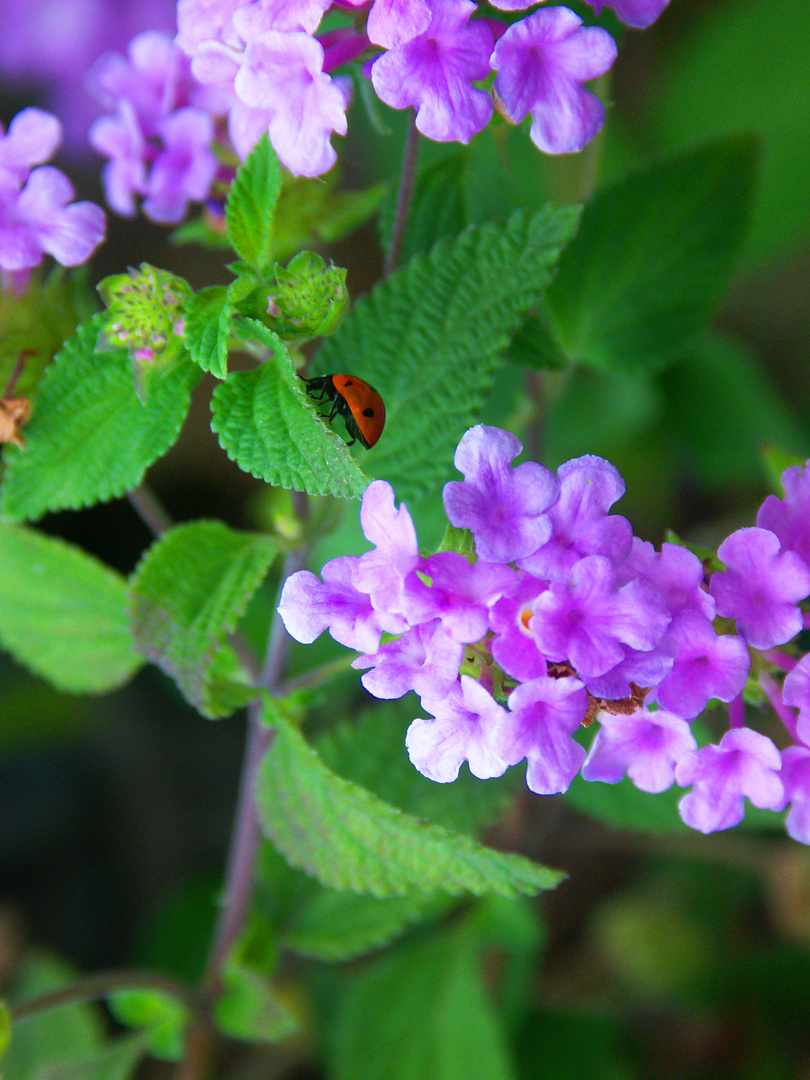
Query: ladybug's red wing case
[[357, 402]]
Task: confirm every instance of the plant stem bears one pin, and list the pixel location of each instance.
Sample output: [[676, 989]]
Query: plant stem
[[245, 837], [149, 509], [94, 987], [403, 196]]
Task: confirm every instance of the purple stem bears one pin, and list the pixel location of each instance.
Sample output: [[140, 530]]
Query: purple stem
[[403, 196], [773, 692]]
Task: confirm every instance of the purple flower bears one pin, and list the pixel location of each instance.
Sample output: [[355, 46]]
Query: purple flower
[[40, 219], [253, 19], [282, 76], [435, 71], [796, 779], [461, 731], [308, 607], [514, 648], [395, 22], [581, 524], [446, 586], [200, 21], [120, 139], [381, 573], [425, 659], [796, 692], [789, 518], [675, 571], [587, 620], [502, 506], [184, 170], [639, 13], [542, 62], [647, 745], [708, 665], [33, 137], [761, 588], [543, 714], [744, 764]]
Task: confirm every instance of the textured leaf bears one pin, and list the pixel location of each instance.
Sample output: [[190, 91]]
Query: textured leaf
[[268, 426], [421, 1013], [251, 203], [90, 439], [653, 256], [344, 925], [347, 838], [431, 336], [466, 805], [188, 594], [63, 614], [208, 329], [250, 1009]]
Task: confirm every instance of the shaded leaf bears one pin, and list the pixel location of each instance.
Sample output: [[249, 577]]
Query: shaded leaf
[[188, 594], [653, 256], [76, 637], [347, 838]]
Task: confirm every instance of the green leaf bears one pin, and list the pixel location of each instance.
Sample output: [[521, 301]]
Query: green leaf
[[162, 1017], [268, 426], [116, 1060], [467, 805], [431, 336], [335, 925], [208, 329], [312, 210], [347, 838], [251, 204], [90, 438], [736, 395], [249, 1009], [653, 257], [188, 594], [5, 1028], [35, 324], [419, 1013], [47, 1039], [698, 94], [63, 614]]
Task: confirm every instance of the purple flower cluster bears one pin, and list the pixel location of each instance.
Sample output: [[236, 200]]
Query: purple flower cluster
[[269, 59], [565, 616], [37, 216], [160, 134]]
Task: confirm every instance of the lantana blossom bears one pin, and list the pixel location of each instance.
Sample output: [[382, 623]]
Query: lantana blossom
[[511, 665]]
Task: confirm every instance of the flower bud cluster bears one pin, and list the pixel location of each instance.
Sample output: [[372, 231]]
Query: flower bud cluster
[[565, 616]]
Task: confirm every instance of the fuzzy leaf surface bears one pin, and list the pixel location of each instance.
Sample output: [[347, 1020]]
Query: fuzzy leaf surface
[[76, 637], [431, 336], [272, 430], [467, 805], [653, 257], [347, 838], [252, 202], [188, 594], [90, 439], [208, 329]]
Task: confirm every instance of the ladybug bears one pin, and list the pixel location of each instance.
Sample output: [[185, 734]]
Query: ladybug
[[358, 403]]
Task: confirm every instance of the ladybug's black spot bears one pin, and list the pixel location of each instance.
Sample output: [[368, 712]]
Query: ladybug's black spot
[[349, 382], [368, 412]]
